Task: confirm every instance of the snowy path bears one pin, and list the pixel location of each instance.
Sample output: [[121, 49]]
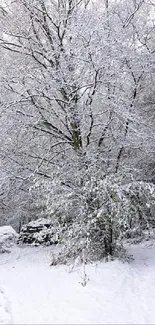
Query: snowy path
[[116, 293], [5, 313]]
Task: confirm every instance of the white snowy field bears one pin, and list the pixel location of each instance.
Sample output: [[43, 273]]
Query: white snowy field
[[32, 292]]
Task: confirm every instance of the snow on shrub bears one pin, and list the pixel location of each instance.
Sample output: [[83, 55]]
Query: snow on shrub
[[8, 238], [101, 214], [39, 232]]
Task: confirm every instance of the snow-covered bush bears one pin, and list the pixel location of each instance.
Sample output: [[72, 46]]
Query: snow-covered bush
[[39, 232], [100, 214], [8, 238]]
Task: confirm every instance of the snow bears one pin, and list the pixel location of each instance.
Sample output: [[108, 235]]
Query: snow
[[32, 292], [7, 230], [39, 222], [8, 237], [5, 314]]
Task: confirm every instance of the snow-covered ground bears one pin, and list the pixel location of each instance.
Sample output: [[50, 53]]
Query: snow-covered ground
[[32, 292]]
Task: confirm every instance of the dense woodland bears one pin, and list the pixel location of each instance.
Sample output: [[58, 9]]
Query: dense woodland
[[77, 119]]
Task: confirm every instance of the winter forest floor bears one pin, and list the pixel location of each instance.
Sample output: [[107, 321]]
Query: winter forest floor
[[32, 292]]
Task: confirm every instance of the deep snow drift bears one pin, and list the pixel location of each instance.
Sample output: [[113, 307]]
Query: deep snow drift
[[32, 292]]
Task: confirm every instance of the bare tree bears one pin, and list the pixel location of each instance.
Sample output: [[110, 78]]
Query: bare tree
[[73, 81]]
